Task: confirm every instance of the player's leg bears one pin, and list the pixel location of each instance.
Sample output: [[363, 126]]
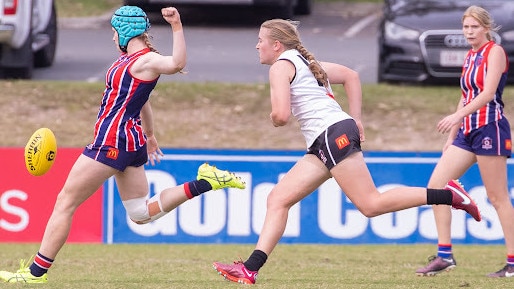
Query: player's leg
[[354, 178], [84, 179], [452, 165], [493, 170], [134, 193], [303, 178], [133, 188]]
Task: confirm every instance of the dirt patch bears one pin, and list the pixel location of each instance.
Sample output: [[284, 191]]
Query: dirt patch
[[231, 116]]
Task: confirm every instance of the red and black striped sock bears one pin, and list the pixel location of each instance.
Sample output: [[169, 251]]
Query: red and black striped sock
[[40, 265], [196, 188]]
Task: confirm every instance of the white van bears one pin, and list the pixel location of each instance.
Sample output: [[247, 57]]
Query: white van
[[28, 36]]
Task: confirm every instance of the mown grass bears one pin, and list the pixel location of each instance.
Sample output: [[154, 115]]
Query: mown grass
[[142, 266]]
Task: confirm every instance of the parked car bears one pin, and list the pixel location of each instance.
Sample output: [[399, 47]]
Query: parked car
[[422, 40], [28, 36], [279, 8]]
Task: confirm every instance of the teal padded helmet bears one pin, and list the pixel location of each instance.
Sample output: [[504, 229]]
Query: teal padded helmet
[[129, 22]]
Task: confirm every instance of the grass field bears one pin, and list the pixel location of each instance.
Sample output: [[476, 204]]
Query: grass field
[[69, 109], [290, 266]]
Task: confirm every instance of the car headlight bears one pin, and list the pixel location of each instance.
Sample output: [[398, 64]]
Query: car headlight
[[397, 32], [508, 36]]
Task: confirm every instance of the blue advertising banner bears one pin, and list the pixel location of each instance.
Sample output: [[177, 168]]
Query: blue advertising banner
[[326, 216]]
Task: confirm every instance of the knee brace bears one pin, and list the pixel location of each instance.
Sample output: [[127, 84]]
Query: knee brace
[[143, 210]]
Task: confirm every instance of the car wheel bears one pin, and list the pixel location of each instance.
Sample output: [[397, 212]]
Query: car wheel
[[380, 72], [303, 7], [21, 72], [45, 56]]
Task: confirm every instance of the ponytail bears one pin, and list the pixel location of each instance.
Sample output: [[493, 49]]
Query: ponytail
[[316, 69]]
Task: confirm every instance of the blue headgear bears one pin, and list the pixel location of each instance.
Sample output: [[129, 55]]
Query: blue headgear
[[129, 22]]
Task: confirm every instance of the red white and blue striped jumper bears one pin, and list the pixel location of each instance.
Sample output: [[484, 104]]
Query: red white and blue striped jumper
[[119, 122], [472, 83]]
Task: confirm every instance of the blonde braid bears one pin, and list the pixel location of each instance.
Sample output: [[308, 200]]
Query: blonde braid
[[316, 69]]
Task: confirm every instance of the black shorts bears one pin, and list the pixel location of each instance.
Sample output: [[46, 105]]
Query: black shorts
[[336, 143], [116, 158]]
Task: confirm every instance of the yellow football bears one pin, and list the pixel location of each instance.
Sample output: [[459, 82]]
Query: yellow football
[[40, 151]]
